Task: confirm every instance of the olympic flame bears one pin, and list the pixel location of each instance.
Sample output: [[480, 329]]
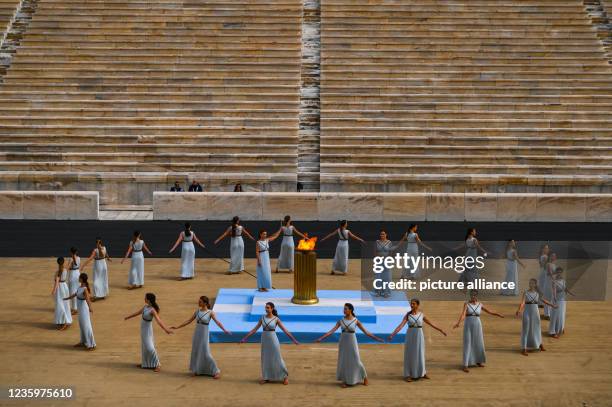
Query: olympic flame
[[307, 244]]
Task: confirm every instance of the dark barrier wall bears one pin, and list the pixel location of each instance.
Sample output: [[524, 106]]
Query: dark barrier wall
[[31, 238]]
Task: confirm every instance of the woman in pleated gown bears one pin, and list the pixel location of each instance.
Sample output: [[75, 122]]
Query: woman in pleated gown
[[148, 313], [273, 368], [414, 346], [202, 362], [350, 370], [473, 339]]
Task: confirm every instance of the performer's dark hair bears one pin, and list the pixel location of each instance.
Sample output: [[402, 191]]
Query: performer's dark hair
[[411, 226], [350, 307], [136, 235], [287, 219], [271, 305], [418, 302], [205, 300], [187, 229], [83, 278], [152, 300], [235, 221], [469, 232], [261, 232], [342, 222], [74, 250], [60, 266]]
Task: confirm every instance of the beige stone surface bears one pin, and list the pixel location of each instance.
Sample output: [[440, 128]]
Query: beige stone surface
[[516, 207], [180, 205], [34, 353], [76, 206], [561, 207], [408, 206], [11, 205], [480, 207], [225, 205], [445, 207], [363, 206], [302, 206], [599, 208], [39, 205], [503, 207]]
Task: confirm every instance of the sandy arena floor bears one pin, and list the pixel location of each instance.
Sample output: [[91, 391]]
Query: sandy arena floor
[[575, 371]]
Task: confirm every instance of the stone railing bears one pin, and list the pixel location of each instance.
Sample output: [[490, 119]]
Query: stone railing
[[391, 206], [77, 205]]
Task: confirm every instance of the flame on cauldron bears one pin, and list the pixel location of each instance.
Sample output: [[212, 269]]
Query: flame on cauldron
[[307, 244]]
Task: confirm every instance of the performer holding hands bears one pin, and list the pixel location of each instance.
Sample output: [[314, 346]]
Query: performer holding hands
[[273, 366]]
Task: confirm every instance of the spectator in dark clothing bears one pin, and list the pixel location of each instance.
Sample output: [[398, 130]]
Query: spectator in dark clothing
[[238, 187], [300, 187], [195, 187], [176, 187]]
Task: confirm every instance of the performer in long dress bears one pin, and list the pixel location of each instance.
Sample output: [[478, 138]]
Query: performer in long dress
[[74, 270], [556, 327], [350, 371], [512, 263], [273, 368], [543, 261], [202, 361], [384, 247], [414, 346], [473, 339], [187, 237], [340, 263], [551, 266], [285, 259], [262, 252], [412, 249], [531, 330], [100, 270], [472, 248], [83, 297], [236, 246], [149, 312], [63, 316], [135, 248]]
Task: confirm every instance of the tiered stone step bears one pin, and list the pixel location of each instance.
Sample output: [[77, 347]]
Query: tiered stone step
[[7, 10], [485, 95], [149, 92]]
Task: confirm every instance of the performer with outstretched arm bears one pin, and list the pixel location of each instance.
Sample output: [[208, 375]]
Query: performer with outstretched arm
[[473, 339], [340, 263], [235, 231], [187, 237], [202, 361], [350, 370], [285, 259], [273, 368], [414, 346]]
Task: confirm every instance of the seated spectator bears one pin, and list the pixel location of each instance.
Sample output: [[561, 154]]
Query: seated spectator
[[195, 187], [238, 187], [300, 187], [176, 187]]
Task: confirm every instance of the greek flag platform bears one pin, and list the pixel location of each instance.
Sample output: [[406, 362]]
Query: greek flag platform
[[240, 309]]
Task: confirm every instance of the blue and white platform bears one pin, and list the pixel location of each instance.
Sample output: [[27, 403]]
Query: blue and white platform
[[240, 309]]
